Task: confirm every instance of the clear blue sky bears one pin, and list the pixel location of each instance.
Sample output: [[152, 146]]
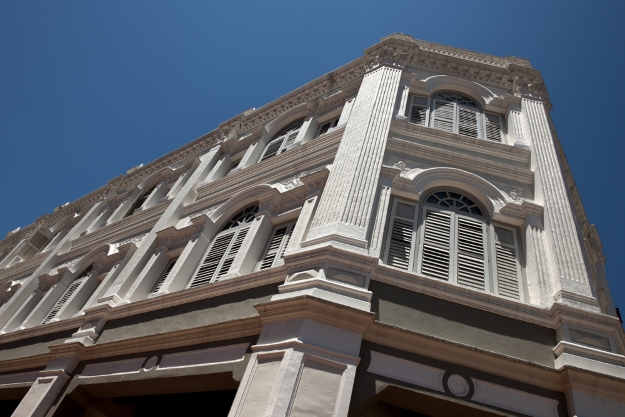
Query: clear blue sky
[[89, 89]]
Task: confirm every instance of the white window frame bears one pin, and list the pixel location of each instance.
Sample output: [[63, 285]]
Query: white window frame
[[284, 242], [415, 235], [489, 241], [519, 270], [284, 138], [226, 255], [333, 123], [481, 117]]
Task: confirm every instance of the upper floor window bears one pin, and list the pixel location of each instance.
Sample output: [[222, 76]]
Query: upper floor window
[[67, 294], [141, 200], [325, 126], [282, 140], [224, 248], [451, 239], [453, 112], [276, 246]]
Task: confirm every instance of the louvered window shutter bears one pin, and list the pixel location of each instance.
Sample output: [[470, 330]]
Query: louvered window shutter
[[289, 141], [66, 296], [272, 149], [467, 122], [443, 118], [418, 110], [507, 269], [164, 275], [436, 248], [219, 257], [35, 243], [493, 127], [470, 254], [277, 245], [400, 245]]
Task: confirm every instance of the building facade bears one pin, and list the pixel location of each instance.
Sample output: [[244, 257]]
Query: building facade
[[399, 237]]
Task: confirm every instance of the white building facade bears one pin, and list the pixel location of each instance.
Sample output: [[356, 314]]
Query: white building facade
[[399, 237]]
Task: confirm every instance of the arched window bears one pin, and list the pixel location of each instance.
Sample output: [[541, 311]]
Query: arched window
[[451, 239], [224, 248], [282, 140], [73, 287], [144, 196], [456, 113]]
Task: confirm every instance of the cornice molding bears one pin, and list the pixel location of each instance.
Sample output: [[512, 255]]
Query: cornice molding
[[306, 306]]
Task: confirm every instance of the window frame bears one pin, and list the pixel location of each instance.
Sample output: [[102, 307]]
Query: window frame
[[284, 138], [285, 240], [430, 115], [489, 242], [334, 121]]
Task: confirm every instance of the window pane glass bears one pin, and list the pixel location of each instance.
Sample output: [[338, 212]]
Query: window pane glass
[[405, 210]]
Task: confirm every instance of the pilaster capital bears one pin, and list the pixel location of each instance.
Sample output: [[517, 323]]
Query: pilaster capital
[[390, 54]]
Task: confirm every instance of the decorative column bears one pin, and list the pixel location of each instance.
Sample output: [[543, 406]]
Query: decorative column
[[345, 209], [304, 363], [571, 284], [125, 279]]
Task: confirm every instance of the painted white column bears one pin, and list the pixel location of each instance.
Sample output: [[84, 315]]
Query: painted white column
[[302, 366], [344, 211], [571, 282], [46, 388], [9, 309], [169, 218], [346, 112], [380, 219], [401, 113], [537, 266]]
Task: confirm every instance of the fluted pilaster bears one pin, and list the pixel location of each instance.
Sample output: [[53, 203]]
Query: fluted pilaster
[[345, 208], [562, 236]]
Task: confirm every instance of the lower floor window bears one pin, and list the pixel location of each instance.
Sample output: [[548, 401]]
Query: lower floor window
[[449, 238]]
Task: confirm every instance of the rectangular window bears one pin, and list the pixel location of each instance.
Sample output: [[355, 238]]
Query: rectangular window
[[507, 270], [164, 275], [276, 246], [325, 126], [418, 110], [401, 240], [493, 127]]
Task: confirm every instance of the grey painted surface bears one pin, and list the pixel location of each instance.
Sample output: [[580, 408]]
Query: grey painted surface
[[187, 316], [436, 317], [366, 384], [32, 346]]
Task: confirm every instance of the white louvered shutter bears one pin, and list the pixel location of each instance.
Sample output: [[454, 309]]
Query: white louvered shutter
[[443, 118], [470, 253], [467, 122], [164, 275], [436, 249], [272, 149], [219, 257], [277, 245], [507, 271], [418, 110], [493, 127], [35, 243], [66, 296], [289, 141], [402, 235]]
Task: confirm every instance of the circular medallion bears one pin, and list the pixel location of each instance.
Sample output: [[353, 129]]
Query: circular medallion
[[458, 385]]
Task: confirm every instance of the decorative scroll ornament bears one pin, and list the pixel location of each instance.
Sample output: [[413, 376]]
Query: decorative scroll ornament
[[401, 166], [70, 263], [392, 56], [209, 211], [295, 181], [516, 194], [136, 240], [533, 90]]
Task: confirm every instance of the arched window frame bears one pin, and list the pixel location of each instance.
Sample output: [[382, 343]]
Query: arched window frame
[[406, 246], [223, 248], [282, 140], [454, 116]]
